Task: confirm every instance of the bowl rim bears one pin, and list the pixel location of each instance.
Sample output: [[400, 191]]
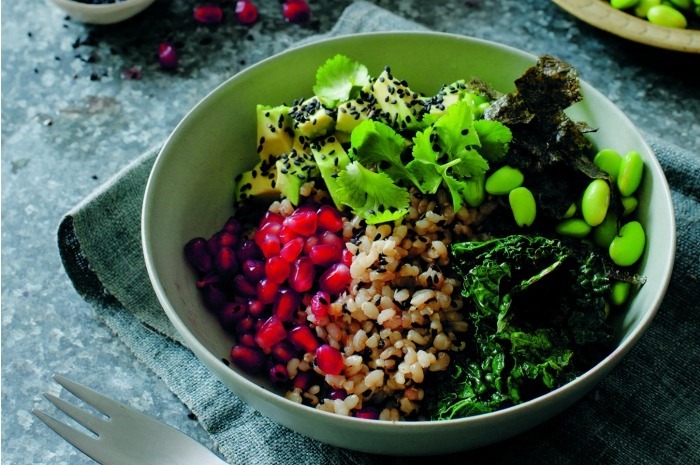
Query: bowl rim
[[600, 14], [276, 399], [103, 13]]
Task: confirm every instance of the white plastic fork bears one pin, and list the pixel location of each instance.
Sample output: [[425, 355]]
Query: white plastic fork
[[127, 436]]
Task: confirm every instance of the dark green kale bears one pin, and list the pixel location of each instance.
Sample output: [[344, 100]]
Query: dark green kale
[[537, 317]]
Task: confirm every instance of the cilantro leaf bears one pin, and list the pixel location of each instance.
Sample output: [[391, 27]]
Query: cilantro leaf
[[373, 196], [340, 79], [494, 137], [455, 128], [471, 164], [376, 144]]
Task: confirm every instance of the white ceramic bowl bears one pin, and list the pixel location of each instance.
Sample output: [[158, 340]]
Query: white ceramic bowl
[[108, 13], [190, 190]]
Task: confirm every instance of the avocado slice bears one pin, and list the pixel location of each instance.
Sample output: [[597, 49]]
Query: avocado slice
[[293, 170], [258, 182], [331, 158], [398, 105], [274, 129], [312, 119]]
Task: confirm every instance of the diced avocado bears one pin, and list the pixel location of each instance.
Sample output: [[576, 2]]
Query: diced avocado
[[353, 112], [258, 182], [311, 119], [331, 158], [446, 96], [274, 128], [398, 105], [293, 170]]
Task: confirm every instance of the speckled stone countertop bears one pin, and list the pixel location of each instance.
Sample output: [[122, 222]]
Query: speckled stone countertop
[[75, 110]]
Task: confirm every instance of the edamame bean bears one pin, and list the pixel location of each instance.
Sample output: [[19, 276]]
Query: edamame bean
[[504, 180], [609, 161], [642, 8], [605, 232], [574, 227], [522, 203], [628, 246], [664, 15], [623, 4], [629, 204], [619, 292], [595, 202], [683, 4], [630, 176], [474, 193], [571, 211]]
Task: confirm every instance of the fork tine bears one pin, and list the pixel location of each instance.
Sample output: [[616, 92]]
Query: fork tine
[[93, 398], [83, 417], [86, 444]]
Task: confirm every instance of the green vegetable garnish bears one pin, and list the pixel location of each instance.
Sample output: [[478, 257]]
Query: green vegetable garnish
[[339, 79], [373, 196], [537, 310]]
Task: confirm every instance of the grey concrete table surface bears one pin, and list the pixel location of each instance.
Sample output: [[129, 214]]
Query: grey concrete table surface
[[80, 102]]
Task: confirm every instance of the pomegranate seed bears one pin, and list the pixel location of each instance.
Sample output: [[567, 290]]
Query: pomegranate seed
[[271, 332], [248, 250], [292, 249], [267, 290], [319, 305], [271, 217], [210, 278], [302, 380], [267, 228], [325, 254], [328, 237], [303, 221], [247, 358], [258, 324], [337, 394], [286, 304], [243, 287], [214, 298], [256, 309], [226, 262], [301, 274], [248, 340], [167, 56], [208, 14], [368, 413], [221, 239], [279, 373], [335, 279], [254, 270], [245, 325], [277, 269], [233, 226], [231, 313], [197, 254], [302, 337], [329, 360], [329, 218], [310, 242], [283, 351], [347, 257], [287, 234], [246, 12], [270, 245], [296, 11]]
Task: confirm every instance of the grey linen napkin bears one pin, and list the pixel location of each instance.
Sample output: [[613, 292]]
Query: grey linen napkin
[[646, 411]]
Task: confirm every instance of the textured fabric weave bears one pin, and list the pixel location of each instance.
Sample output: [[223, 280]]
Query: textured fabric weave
[[646, 411]]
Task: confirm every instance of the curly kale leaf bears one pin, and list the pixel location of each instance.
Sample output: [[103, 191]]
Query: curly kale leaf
[[537, 317]]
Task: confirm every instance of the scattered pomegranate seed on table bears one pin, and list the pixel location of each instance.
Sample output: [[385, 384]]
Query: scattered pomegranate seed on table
[[296, 11], [167, 56], [208, 13], [246, 12]]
